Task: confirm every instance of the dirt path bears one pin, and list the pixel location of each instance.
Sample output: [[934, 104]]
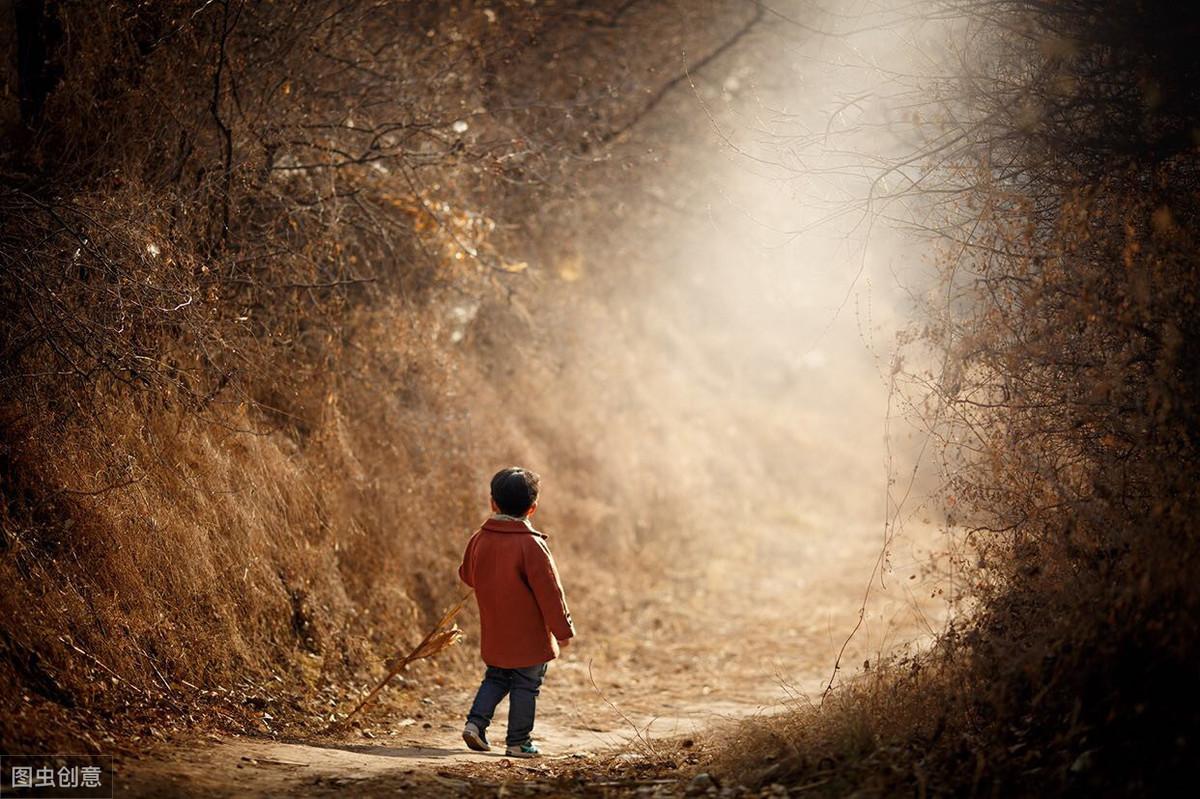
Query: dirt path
[[747, 651], [255, 767]]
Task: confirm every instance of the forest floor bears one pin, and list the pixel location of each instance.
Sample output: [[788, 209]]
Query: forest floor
[[614, 716]]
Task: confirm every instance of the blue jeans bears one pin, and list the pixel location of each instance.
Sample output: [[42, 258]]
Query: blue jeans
[[522, 687]]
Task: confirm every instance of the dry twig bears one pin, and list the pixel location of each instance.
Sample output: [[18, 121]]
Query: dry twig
[[439, 639]]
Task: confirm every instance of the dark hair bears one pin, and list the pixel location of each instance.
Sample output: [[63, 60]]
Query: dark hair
[[515, 490]]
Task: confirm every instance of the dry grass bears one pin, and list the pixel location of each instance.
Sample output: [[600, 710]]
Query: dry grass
[[1031, 701], [255, 380], [309, 556]]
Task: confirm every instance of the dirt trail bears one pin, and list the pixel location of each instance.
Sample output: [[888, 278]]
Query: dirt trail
[[769, 642], [250, 767]]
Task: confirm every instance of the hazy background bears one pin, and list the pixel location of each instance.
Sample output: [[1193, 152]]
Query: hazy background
[[741, 360]]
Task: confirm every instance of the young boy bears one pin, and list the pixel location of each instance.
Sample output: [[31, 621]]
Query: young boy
[[522, 611]]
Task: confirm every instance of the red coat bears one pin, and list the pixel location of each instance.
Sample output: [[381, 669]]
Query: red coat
[[522, 608]]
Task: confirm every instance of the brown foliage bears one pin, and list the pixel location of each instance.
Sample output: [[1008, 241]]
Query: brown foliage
[[241, 245]]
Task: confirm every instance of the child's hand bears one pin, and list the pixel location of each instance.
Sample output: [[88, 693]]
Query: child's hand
[[564, 643]]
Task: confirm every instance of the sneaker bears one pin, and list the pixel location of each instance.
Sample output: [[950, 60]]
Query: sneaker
[[475, 739], [527, 749]]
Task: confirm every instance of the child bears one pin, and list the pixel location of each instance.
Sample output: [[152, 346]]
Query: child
[[522, 611]]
